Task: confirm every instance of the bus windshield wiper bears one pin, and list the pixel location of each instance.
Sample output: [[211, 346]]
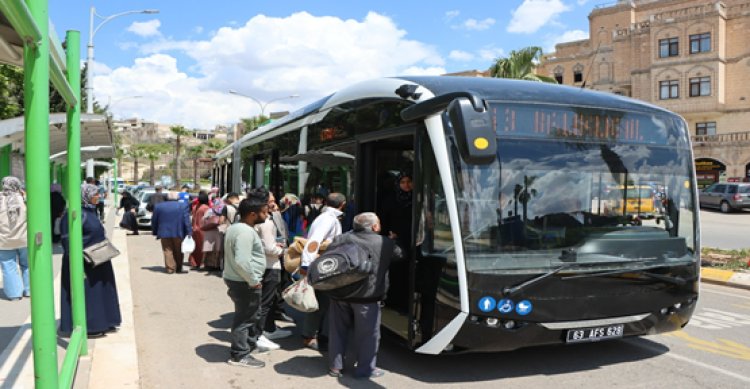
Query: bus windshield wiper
[[676, 280], [511, 290]]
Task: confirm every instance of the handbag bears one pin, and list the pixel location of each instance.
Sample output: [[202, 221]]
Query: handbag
[[301, 296], [100, 253]]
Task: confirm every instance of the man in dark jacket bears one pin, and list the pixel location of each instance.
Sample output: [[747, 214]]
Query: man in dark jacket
[[360, 309], [171, 224], [155, 198]]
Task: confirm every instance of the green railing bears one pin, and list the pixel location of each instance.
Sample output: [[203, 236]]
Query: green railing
[[42, 64]]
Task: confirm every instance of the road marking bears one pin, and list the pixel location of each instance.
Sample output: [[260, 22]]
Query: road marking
[[744, 306], [714, 319], [723, 347], [714, 291], [673, 355]]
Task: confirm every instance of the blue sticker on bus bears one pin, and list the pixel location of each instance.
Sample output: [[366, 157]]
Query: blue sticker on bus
[[487, 304], [505, 306], [524, 307]]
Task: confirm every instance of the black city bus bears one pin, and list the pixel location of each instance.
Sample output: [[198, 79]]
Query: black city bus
[[509, 237]]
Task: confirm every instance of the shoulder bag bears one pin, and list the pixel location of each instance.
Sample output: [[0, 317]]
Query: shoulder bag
[[99, 253]]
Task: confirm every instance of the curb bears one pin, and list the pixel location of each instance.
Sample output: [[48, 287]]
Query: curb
[[725, 277]]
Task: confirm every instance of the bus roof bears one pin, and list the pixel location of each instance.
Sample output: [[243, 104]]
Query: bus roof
[[498, 89]]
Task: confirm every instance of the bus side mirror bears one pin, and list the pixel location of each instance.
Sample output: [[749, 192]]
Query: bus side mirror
[[474, 132]]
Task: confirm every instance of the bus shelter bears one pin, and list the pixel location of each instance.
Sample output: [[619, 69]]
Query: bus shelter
[[28, 40]]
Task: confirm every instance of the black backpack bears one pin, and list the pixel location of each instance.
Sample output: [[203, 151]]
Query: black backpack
[[342, 264]]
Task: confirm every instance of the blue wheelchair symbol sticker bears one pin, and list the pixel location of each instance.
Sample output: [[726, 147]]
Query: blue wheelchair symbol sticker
[[505, 306], [487, 304], [524, 307]]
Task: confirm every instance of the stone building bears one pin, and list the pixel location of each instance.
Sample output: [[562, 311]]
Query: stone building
[[689, 56]]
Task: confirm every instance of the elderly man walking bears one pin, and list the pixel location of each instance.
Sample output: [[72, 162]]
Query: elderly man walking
[[13, 253], [170, 223], [359, 310]]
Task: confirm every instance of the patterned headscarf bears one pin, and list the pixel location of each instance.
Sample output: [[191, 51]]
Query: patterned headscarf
[[13, 198], [88, 191]]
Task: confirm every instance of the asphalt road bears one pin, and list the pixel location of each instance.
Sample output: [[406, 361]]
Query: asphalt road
[[182, 323], [725, 230]]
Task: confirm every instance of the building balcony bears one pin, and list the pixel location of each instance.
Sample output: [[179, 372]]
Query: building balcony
[[729, 138]]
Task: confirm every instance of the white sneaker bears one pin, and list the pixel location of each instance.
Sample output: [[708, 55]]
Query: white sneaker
[[278, 334], [264, 342]]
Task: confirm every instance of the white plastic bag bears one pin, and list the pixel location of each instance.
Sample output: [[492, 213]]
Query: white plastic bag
[[188, 244], [301, 296]]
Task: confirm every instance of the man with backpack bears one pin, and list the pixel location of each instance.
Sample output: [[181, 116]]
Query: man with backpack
[[359, 309]]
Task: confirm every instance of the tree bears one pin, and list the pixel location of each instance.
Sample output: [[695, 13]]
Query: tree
[[11, 91], [520, 65], [119, 153], [196, 153], [152, 152], [136, 152], [179, 132], [251, 124]]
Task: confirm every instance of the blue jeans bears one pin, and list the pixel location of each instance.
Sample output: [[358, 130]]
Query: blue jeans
[[14, 284]]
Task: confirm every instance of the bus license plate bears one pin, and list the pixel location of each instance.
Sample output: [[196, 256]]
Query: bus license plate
[[594, 334]]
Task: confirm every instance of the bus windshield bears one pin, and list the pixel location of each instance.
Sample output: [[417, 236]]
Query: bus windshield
[[544, 202]]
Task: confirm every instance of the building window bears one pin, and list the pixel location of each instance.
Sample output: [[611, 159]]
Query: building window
[[700, 86], [559, 78], [578, 73], [700, 43], [706, 128], [669, 89], [668, 48]]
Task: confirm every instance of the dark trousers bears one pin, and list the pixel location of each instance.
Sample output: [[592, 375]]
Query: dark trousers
[[271, 279], [364, 320], [245, 321], [100, 209], [312, 326], [173, 256]]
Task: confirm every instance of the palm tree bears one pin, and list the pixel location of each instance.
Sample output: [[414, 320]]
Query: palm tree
[[251, 124], [520, 65], [153, 151], [179, 132], [119, 153], [196, 153], [136, 152]]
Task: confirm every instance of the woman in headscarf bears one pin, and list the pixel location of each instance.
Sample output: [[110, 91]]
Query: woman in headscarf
[[57, 207], [13, 252], [397, 219], [129, 205], [102, 303], [212, 238], [196, 257]]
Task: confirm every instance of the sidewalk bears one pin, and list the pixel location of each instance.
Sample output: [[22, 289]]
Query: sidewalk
[[112, 361]]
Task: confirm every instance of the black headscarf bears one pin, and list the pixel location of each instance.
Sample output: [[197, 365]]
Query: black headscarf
[[403, 198]]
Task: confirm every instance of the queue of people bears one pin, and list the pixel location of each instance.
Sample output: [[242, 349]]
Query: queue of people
[[244, 238]]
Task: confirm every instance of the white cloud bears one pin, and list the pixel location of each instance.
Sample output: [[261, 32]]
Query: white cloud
[[198, 29], [491, 53], [266, 58], [582, 2], [146, 29], [531, 15], [567, 36], [478, 25], [460, 55], [452, 14]]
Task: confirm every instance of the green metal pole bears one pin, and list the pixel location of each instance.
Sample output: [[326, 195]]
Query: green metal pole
[[116, 183], [5, 160], [36, 102], [77, 293]]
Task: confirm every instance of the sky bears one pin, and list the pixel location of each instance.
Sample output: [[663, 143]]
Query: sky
[[177, 66]]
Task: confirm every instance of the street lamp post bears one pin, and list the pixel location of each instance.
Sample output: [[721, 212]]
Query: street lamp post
[[90, 49], [260, 103]]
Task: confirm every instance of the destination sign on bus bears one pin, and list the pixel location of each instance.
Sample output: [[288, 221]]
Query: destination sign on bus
[[584, 124]]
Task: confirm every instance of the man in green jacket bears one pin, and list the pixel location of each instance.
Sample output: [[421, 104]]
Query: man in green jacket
[[244, 265]]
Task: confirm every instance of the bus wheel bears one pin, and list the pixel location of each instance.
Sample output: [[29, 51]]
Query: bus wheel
[[725, 208]]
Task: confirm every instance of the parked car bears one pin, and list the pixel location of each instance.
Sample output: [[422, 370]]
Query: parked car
[[726, 196], [143, 216]]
